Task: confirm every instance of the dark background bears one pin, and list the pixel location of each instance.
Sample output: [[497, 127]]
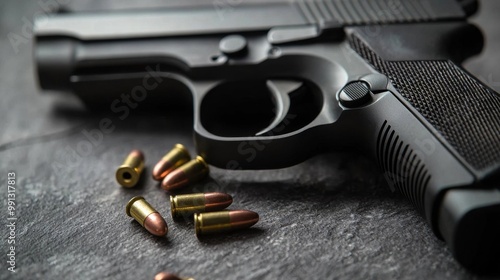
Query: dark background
[[332, 216]]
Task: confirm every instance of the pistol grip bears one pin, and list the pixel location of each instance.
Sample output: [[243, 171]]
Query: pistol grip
[[455, 158]]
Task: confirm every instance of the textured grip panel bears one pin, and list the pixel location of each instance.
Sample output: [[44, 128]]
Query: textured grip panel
[[358, 12], [461, 109], [403, 168]]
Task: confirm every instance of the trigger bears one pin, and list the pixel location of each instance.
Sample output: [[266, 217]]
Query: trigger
[[280, 89]]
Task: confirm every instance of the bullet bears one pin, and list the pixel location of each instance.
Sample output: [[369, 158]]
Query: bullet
[[129, 172], [193, 171], [187, 204], [169, 276], [172, 160], [214, 222], [147, 216]]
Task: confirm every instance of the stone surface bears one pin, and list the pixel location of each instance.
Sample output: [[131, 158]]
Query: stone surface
[[331, 217]]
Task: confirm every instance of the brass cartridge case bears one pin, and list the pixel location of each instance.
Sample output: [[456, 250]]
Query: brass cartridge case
[[147, 216], [129, 172], [187, 204], [215, 222]]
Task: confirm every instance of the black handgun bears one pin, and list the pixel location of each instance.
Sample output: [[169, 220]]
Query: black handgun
[[275, 83]]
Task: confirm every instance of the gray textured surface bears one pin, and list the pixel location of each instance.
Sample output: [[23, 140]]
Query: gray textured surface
[[330, 217]]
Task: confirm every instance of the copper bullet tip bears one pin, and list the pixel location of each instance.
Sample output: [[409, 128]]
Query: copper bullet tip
[[176, 157], [161, 169], [169, 276], [176, 179], [156, 225], [138, 154], [217, 201], [243, 218], [190, 172]]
